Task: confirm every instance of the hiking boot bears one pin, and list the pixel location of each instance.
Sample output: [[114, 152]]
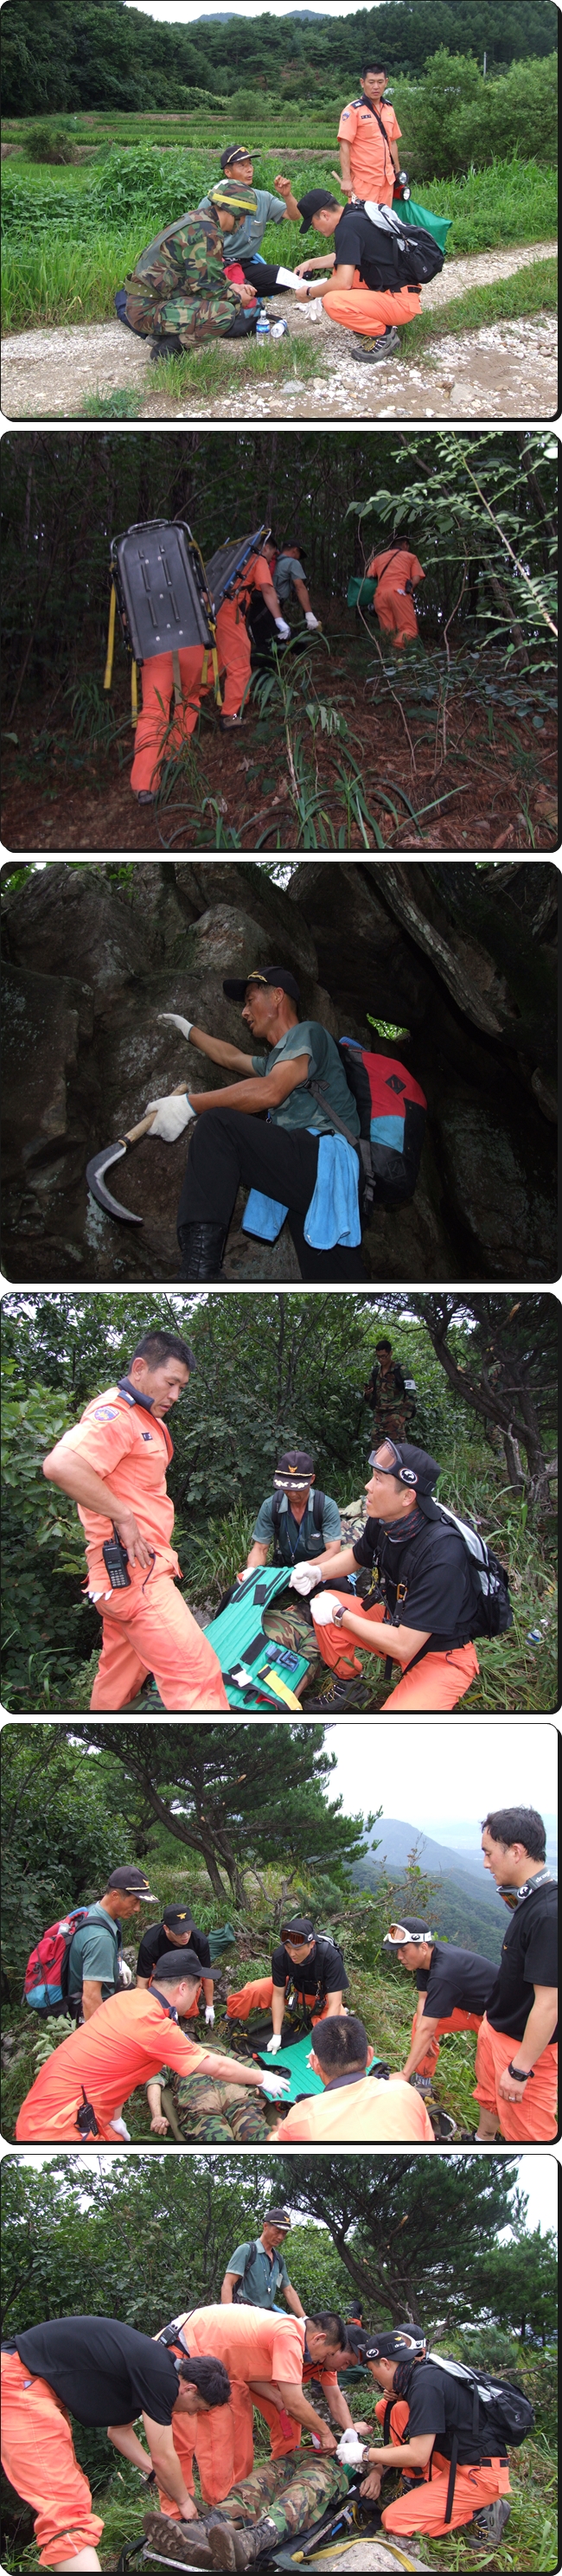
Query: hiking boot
[[254, 2543], [487, 2528], [145, 795], [221, 2541], [370, 352], [231, 724], [185, 2544], [202, 1247], [168, 347], [336, 1695]]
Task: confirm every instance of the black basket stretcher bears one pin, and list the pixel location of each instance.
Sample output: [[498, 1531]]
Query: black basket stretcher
[[225, 566], [159, 587], [348, 2521]]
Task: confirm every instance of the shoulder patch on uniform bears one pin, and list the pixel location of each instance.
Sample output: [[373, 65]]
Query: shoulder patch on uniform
[[105, 1413]]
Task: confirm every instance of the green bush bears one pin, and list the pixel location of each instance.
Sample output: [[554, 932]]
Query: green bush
[[49, 143], [453, 120]]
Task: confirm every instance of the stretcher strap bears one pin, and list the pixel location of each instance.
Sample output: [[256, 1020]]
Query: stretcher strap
[[211, 654], [177, 678], [134, 702], [107, 677]]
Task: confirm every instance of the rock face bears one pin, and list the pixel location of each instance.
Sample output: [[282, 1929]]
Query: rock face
[[463, 958]]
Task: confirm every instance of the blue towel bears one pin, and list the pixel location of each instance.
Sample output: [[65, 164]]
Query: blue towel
[[333, 1215]]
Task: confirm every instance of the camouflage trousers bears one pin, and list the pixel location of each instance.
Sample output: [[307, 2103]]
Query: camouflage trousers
[[288, 1626], [294, 2500], [193, 318], [390, 1423], [215, 2113]]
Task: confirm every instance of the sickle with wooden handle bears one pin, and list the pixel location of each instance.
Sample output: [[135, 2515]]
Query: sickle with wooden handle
[[108, 1154]]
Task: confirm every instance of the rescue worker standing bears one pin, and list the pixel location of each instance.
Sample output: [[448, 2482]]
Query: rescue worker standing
[[517, 2053], [368, 134], [113, 1463], [81, 2085], [392, 1396], [453, 1989], [178, 295], [396, 572], [162, 730], [106, 2373], [431, 2424], [424, 1617]]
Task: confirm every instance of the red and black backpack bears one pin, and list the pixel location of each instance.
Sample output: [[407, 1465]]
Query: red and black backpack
[[392, 1113]]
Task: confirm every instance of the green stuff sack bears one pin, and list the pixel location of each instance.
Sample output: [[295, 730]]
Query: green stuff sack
[[360, 591], [257, 1673], [438, 225], [219, 1941]]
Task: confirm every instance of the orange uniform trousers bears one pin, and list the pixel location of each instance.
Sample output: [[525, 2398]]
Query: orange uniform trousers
[[424, 2509], [456, 2020], [234, 652], [161, 729], [437, 1682], [259, 1990], [39, 2459], [396, 614], [535, 2115], [224, 2444], [149, 1629], [367, 309]]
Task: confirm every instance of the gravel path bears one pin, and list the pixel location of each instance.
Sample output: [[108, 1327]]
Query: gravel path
[[504, 370]]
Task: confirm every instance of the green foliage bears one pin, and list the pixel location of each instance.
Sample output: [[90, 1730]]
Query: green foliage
[[454, 120], [532, 290], [66, 1825], [122, 404], [48, 143], [510, 201]]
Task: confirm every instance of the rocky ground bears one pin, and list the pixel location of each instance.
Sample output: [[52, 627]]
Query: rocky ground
[[504, 370]]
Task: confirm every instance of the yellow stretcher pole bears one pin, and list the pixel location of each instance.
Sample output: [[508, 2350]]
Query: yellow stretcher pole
[[134, 696], [107, 677]]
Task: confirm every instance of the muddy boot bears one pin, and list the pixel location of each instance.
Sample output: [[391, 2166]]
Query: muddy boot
[[185, 2544], [145, 795], [487, 2528], [257, 2542], [168, 347], [222, 2541], [202, 1247], [231, 724]]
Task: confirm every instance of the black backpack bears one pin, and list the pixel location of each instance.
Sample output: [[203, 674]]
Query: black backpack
[[408, 256], [493, 1613], [318, 1502], [501, 2414]]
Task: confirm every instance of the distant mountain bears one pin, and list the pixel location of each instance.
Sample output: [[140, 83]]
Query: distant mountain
[[395, 1840], [466, 1909]]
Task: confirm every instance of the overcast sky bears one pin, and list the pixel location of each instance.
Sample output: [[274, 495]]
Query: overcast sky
[[537, 2175], [428, 1775]]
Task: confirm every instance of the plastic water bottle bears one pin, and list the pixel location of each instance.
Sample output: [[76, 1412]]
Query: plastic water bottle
[[262, 328]]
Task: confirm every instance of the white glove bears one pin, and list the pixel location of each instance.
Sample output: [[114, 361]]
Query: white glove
[[324, 1609], [274, 2044], [119, 2130], [312, 622], [125, 1973], [210, 2015], [304, 1578], [275, 2086], [350, 2451], [173, 1114], [282, 628], [177, 1022]]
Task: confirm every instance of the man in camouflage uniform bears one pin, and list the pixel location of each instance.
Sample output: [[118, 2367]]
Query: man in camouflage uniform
[[179, 295], [196, 2108], [271, 2506], [392, 1395]]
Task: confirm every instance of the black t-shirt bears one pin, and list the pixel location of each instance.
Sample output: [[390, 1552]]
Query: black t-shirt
[[105, 2373], [361, 244], [444, 2406], [155, 1943], [458, 1980], [432, 1562], [529, 1958], [323, 1970]]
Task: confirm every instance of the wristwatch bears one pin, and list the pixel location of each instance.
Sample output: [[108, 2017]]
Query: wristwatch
[[337, 1616], [521, 2074]]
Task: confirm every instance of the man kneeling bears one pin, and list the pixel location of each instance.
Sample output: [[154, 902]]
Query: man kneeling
[[353, 2105], [452, 2476]]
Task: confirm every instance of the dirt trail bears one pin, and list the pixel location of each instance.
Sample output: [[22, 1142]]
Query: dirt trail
[[505, 370]]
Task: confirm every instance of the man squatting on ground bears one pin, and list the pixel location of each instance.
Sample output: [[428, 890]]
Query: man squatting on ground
[[113, 1464], [453, 1990], [424, 1621], [181, 295], [428, 2411], [300, 1166], [103, 2373], [80, 2089]]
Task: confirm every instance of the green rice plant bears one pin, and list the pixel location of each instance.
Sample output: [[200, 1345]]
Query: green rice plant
[[57, 280]]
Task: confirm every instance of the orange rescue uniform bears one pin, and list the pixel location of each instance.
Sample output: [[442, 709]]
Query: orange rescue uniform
[[371, 163], [254, 2344], [455, 2020], [259, 1990], [395, 610], [233, 641], [162, 729], [368, 309], [284, 2430], [438, 1681], [39, 2459], [423, 2509], [535, 2114], [122, 2045], [355, 2113], [147, 1627]]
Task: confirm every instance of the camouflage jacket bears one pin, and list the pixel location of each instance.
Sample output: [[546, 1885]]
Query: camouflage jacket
[[187, 260]]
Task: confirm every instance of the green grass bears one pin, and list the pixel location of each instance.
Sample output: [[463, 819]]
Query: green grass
[[212, 370], [531, 290]]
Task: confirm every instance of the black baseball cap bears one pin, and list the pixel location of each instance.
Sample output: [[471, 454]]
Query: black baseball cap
[[180, 1963], [236, 986], [311, 204], [235, 152], [387, 2347], [299, 1929], [294, 1471], [277, 2218], [412, 1466], [177, 1918], [132, 1882]]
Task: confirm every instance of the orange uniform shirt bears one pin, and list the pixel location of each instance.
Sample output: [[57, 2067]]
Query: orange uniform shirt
[[123, 2045], [252, 2342], [391, 569], [368, 2110], [372, 166], [125, 1444], [257, 575]]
